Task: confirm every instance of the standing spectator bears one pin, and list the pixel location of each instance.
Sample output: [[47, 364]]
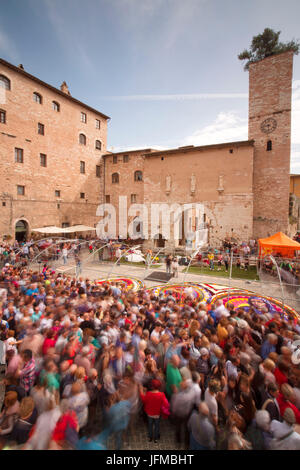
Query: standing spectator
[[168, 264], [202, 432], [27, 373], [155, 403], [173, 376], [211, 257], [175, 267]]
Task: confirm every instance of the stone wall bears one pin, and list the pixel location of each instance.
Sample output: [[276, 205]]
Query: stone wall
[[219, 177], [60, 143], [270, 82]]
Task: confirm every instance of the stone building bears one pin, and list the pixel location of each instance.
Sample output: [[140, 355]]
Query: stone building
[[218, 176], [50, 155]]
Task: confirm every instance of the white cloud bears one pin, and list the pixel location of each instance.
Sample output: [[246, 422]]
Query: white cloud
[[176, 97], [227, 127], [7, 47]]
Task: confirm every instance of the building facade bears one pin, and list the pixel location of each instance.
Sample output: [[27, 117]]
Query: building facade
[[50, 155], [243, 186], [217, 177]]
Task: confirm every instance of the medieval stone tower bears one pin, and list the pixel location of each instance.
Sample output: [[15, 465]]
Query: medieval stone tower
[[270, 93]]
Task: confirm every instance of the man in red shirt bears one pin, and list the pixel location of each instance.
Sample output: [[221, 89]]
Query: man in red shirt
[[281, 372]]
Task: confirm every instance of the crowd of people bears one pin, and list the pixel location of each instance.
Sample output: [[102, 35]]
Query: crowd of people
[[86, 363]]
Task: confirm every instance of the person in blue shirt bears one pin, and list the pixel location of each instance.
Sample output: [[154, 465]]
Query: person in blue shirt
[[174, 348], [118, 417], [212, 314], [268, 346], [32, 291], [36, 314]]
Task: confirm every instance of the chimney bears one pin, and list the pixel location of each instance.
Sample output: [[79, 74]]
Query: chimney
[[21, 66], [64, 87]]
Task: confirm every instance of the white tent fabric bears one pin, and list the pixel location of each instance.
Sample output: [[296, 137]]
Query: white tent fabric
[[53, 229], [78, 228]]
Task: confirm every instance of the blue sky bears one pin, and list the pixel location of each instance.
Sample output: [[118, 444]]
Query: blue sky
[[165, 71]]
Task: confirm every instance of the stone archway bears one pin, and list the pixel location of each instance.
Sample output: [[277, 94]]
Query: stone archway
[[21, 230], [159, 241]]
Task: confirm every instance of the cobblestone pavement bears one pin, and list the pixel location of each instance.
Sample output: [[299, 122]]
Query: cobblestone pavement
[[136, 436]]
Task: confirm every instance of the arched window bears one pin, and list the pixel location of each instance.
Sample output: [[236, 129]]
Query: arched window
[[37, 98], [82, 139], [4, 82], [2, 116], [269, 145], [55, 106], [138, 176], [98, 144], [115, 178]]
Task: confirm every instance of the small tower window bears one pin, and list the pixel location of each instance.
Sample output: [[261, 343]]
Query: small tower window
[[115, 178], [82, 139], [98, 145], [138, 176], [2, 116], [269, 145], [4, 82], [55, 106]]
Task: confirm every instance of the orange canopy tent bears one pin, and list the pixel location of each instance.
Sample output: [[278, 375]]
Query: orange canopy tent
[[279, 244]]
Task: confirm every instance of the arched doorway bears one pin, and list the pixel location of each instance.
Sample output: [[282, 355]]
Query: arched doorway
[[159, 241], [21, 230]]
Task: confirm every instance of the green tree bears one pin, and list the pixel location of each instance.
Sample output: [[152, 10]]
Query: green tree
[[267, 44]]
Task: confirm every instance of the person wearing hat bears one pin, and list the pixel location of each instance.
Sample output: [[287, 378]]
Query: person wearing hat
[[285, 437], [155, 404], [27, 418]]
